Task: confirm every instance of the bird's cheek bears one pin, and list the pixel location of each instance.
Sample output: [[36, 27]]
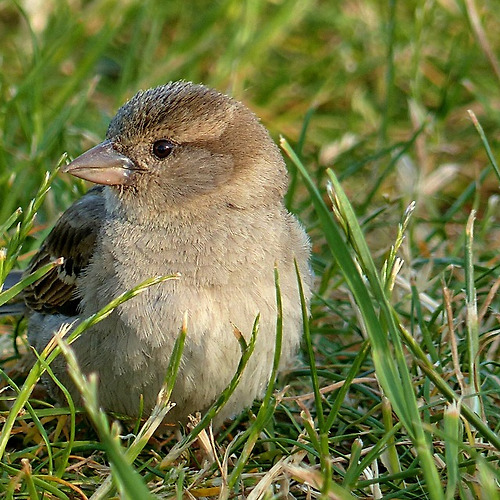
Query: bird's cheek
[[211, 171]]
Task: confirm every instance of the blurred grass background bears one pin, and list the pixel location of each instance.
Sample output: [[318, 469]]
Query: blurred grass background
[[377, 91]]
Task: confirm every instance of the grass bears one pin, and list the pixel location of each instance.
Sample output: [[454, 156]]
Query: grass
[[390, 114]]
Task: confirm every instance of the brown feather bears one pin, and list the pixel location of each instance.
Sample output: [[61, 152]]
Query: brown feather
[[73, 237]]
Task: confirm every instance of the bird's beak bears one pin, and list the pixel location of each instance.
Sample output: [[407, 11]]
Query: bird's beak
[[103, 165]]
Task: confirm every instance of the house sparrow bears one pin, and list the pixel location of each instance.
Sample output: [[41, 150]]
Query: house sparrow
[[189, 182]]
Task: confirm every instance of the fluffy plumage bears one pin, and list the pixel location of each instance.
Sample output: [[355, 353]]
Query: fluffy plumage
[[190, 182]]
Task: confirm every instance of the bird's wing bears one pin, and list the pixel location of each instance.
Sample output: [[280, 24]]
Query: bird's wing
[[73, 237]]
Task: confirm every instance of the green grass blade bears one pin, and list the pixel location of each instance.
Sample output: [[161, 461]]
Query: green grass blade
[[485, 142], [12, 292], [128, 480], [393, 374], [472, 335]]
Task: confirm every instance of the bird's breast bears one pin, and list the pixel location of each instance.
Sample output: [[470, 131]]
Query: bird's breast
[[216, 264]]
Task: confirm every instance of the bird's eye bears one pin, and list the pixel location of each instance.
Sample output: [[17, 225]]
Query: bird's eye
[[162, 148]]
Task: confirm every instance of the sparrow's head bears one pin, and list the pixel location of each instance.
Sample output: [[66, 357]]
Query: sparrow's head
[[182, 143]]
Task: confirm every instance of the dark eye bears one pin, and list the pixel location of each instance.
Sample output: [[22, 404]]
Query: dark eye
[[162, 148]]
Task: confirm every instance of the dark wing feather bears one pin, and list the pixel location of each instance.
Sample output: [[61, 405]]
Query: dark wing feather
[[73, 237]]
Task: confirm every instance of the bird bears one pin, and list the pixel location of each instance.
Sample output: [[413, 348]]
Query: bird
[[187, 181]]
